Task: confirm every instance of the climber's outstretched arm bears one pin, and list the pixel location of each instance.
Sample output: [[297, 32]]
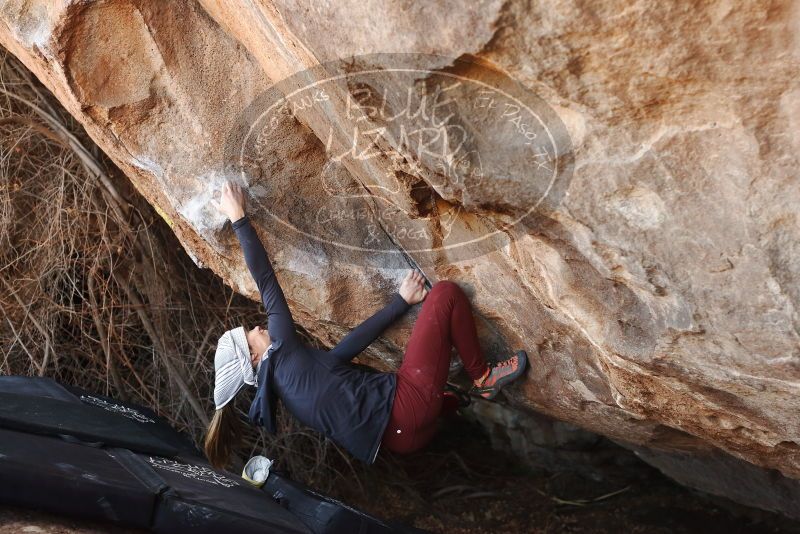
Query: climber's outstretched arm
[[362, 335], [412, 290], [280, 323]]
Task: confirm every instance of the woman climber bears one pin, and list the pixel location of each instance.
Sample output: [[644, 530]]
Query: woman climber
[[356, 408]]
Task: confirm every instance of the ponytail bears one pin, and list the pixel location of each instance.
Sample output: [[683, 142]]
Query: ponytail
[[224, 434]]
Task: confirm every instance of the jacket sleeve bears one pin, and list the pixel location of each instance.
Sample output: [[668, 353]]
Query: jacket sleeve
[[280, 323], [362, 335]]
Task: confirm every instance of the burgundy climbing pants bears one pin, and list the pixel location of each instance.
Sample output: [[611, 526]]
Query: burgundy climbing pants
[[444, 321]]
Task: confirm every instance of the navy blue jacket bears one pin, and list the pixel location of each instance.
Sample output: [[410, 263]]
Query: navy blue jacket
[[320, 388]]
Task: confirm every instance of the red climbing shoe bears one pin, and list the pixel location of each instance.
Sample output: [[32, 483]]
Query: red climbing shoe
[[500, 374]]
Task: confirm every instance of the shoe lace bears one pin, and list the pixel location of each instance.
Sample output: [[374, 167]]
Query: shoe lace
[[493, 365], [505, 363]]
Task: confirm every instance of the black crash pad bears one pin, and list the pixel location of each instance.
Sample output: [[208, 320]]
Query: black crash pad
[[43, 406], [133, 489], [67, 450]]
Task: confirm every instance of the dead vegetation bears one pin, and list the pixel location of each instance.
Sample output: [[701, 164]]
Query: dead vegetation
[[96, 291]]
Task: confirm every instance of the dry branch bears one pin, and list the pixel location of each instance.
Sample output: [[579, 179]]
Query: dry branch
[[97, 292]]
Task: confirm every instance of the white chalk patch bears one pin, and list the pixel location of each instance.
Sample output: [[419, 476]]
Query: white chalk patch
[[640, 207], [30, 24], [40, 35], [147, 164], [198, 210]]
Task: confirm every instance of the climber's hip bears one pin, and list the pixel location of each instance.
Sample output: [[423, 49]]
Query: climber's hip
[[414, 417]]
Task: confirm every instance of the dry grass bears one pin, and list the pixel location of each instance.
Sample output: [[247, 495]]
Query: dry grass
[[96, 291]]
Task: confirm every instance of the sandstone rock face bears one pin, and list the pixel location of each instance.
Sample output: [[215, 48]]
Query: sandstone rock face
[[657, 294]]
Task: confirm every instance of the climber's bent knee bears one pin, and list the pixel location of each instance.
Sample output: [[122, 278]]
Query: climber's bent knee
[[445, 286]]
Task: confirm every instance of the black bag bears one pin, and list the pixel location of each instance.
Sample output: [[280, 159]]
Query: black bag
[[43, 406]]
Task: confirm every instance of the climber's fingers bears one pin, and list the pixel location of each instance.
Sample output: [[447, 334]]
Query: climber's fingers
[[229, 199], [214, 202], [414, 276]]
